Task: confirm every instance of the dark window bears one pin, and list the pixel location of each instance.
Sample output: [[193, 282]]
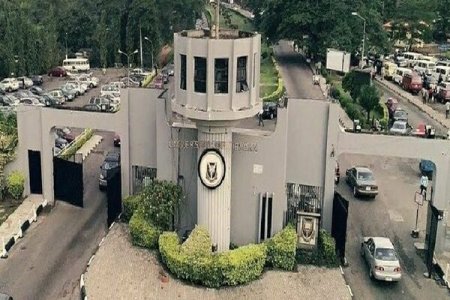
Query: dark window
[[183, 72], [221, 76], [200, 74], [254, 69], [241, 76]]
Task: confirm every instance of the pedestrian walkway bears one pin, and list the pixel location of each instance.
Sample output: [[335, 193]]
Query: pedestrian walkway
[[434, 114], [28, 210]]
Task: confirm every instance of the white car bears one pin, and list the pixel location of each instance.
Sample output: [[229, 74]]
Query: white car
[[31, 101], [90, 81], [400, 128], [139, 71], [24, 81], [382, 259], [110, 90], [78, 85], [9, 84]]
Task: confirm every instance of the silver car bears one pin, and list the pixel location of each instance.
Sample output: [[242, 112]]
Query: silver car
[[400, 128], [381, 257]]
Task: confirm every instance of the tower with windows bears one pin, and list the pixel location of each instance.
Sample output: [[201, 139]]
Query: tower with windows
[[216, 85]]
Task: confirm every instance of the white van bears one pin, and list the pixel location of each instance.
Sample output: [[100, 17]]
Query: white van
[[442, 71], [399, 73], [445, 63], [428, 58], [424, 67], [76, 64], [411, 58]]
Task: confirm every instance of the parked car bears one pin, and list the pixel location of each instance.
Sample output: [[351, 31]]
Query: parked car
[[170, 69], [58, 94], [103, 102], [108, 168], [399, 73], [92, 107], [69, 92], [60, 142], [427, 168], [400, 128], [158, 82], [2, 91], [109, 90], [118, 84], [444, 95], [139, 71], [65, 133], [9, 84], [116, 140], [130, 82], [36, 90], [9, 100], [412, 83], [90, 81], [57, 72], [24, 93], [31, 101], [382, 259], [50, 101], [362, 181], [79, 87], [37, 79], [400, 115], [24, 82], [269, 110]]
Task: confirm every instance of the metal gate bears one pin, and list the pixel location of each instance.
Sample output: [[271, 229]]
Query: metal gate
[[114, 194], [339, 224], [68, 181], [34, 163], [431, 237]]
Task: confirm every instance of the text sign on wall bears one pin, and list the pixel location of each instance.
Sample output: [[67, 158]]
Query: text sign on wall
[[185, 144]]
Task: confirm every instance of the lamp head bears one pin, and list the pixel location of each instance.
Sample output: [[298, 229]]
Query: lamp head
[[136, 51], [146, 38], [119, 51]]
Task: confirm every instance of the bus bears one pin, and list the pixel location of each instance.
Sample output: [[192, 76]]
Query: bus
[[76, 64]]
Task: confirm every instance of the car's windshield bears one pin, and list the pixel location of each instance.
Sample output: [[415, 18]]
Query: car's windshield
[[385, 254], [400, 114], [365, 176]]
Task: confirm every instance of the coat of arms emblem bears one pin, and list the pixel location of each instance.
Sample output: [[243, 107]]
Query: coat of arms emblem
[[211, 172]]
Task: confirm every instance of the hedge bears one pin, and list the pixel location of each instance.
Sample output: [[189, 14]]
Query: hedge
[[130, 205], [327, 247], [232, 267], [281, 249], [277, 94], [143, 233], [76, 144], [15, 185]]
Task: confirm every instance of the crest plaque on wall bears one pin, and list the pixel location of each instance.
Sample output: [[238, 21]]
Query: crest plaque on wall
[[211, 168]]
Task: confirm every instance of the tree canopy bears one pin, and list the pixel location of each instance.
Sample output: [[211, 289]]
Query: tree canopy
[[34, 33]]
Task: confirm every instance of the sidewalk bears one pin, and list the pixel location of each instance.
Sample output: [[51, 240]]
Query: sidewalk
[[434, 114], [122, 271], [19, 221]]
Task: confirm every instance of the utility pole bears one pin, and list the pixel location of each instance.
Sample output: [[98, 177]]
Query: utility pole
[[217, 18], [140, 45]]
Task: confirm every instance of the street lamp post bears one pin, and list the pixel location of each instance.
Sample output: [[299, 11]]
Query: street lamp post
[[364, 36], [66, 45], [147, 39], [128, 62]]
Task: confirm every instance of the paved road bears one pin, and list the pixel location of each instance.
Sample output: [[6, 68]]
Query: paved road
[[415, 116], [391, 214], [48, 262], [296, 73]]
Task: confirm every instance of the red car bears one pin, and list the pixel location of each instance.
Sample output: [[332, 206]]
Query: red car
[[57, 72], [412, 83]]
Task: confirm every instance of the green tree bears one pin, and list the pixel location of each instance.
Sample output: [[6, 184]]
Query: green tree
[[369, 99]]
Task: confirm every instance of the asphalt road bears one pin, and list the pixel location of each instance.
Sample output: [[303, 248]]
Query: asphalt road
[[415, 116], [296, 73], [48, 261], [391, 214]]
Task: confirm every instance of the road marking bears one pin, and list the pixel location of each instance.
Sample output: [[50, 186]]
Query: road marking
[[395, 216]]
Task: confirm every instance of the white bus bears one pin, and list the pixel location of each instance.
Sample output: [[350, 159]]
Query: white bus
[[76, 64]]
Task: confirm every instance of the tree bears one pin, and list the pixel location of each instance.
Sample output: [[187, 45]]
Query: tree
[[369, 99]]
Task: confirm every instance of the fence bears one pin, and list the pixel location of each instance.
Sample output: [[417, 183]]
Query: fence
[[304, 198]]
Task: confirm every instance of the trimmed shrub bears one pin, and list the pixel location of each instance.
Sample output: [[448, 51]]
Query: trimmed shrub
[[242, 265], [76, 144], [198, 242], [277, 94], [130, 205], [281, 249], [15, 185], [143, 233], [327, 247]]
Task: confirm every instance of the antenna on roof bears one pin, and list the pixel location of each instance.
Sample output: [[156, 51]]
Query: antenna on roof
[[216, 5]]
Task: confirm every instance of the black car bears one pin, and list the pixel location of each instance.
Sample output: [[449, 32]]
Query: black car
[[37, 79], [36, 90], [8, 100], [50, 101], [270, 110], [109, 168], [92, 107]]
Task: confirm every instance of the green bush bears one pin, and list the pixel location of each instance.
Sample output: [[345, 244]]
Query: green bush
[[15, 184], [143, 233], [327, 247], [281, 249], [242, 265], [194, 261], [76, 144], [130, 205], [277, 94]]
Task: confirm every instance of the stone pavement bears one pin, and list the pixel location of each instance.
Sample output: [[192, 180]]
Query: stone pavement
[[434, 114], [122, 271], [26, 211]]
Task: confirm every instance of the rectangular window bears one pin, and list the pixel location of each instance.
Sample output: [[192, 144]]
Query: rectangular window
[[221, 76], [200, 74], [241, 76], [265, 216], [254, 69], [182, 71]]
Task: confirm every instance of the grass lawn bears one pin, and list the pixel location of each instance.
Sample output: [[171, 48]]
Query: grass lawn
[[268, 72]]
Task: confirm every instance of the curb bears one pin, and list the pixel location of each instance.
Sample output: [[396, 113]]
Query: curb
[[346, 283], [412, 102], [9, 242], [83, 292]]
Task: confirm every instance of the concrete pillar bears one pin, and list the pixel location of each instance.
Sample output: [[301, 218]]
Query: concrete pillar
[[214, 184]]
